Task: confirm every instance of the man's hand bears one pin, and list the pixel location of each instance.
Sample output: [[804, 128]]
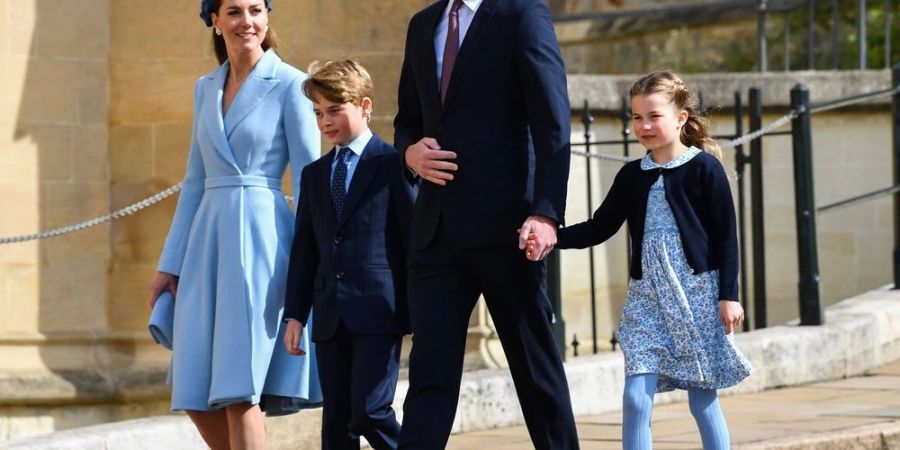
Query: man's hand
[[292, 335], [731, 314], [428, 161], [537, 237]]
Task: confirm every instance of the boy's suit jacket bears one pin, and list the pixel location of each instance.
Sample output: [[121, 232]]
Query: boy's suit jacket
[[352, 270]]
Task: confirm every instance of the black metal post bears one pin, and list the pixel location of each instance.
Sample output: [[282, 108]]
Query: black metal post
[[787, 41], [835, 35], [896, 132], [861, 34], [586, 120], [757, 213], [810, 34], [554, 291], [761, 36], [740, 165], [888, 16], [804, 200], [625, 116]]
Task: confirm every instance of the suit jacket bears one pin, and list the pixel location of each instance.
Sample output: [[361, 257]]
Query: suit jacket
[[506, 115], [353, 269]]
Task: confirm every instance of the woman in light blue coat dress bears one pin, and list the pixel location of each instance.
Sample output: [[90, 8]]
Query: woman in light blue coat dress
[[227, 251]]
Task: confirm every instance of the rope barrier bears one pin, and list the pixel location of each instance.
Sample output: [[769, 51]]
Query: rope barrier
[[166, 193]]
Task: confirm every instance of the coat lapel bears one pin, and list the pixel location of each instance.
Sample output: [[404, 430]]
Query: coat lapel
[[212, 115], [362, 177], [253, 91], [469, 47]]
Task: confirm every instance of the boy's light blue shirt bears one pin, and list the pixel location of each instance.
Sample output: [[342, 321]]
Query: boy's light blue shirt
[[356, 150]]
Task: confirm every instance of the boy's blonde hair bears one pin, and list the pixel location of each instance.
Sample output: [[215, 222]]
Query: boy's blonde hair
[[695, 131], [344, 81]]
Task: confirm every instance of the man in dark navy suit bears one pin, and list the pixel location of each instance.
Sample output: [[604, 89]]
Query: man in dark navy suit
[[483, 125], [348, 263]]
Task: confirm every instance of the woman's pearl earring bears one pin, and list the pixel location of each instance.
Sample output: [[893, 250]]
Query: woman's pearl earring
[[267, 28], [218, 31]]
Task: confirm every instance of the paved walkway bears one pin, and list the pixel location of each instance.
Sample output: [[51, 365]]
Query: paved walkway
[[794, 417]]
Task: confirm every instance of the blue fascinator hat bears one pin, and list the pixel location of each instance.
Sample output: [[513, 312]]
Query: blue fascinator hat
[[206, 10]]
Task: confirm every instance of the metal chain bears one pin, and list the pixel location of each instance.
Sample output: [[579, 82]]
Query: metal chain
[[135, 207], [853, 101], [118, 214], [774, 125], [603, 156], [126, 211]]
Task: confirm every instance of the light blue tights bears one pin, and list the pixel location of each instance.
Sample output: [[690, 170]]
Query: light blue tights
[[638, 405]]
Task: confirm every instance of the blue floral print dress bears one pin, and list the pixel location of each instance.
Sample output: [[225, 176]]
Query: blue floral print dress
[[670, 324]]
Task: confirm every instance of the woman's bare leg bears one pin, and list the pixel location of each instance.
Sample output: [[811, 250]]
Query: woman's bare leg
[[213, 428], [246, 428]]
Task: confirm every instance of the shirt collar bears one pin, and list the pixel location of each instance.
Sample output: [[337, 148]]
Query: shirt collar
[[359, 144], [471, 4], [647, 162]]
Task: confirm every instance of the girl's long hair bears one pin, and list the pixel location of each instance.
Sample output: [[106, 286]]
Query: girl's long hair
[[695, 131]]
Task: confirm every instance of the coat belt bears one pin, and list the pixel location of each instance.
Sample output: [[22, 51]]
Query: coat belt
[[242, 181]]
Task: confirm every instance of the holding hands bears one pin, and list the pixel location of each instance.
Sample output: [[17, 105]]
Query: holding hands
[[731, 314], [537, 237], [428, 161]]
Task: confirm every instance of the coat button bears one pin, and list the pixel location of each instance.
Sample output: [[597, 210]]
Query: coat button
[[339, 275]]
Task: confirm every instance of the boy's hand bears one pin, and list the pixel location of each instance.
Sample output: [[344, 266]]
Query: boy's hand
[[292, 335], [731, 314], [428, 161]]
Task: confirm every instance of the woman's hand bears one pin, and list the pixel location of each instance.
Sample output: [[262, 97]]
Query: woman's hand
[[162, 282], [292, 337], [731, 314]]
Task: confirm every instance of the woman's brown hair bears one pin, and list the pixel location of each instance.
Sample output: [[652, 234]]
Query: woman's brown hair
[[270, 41], [695, 131]]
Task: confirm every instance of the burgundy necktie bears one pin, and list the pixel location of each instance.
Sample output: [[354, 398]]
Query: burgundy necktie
[[451, 48]]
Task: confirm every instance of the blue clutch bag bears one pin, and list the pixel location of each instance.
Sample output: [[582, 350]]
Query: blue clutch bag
[[162, 320]]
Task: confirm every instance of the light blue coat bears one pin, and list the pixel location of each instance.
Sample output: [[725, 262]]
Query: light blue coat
[[230, 241]]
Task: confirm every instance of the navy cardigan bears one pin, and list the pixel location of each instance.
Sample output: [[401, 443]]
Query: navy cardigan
[[700, 198]]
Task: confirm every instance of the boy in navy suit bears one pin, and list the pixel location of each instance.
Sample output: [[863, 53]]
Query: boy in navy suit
[[348, 262]]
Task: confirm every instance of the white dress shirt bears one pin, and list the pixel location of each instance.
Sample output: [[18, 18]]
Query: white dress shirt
[[356, 150], [466, 14]]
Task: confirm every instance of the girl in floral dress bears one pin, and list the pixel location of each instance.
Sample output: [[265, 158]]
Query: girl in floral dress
[[682, 303]]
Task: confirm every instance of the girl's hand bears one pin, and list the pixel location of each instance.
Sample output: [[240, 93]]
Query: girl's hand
[[530, 246], [731, 314], [162, 282], [292, 334]]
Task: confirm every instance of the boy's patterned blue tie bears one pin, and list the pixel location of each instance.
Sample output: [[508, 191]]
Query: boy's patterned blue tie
[[339, 182]]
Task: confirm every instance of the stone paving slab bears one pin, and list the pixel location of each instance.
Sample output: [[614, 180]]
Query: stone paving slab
[[856, 413]]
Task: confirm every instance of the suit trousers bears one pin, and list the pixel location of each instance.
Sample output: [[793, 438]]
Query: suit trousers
[[359, 377], [445, 281]]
